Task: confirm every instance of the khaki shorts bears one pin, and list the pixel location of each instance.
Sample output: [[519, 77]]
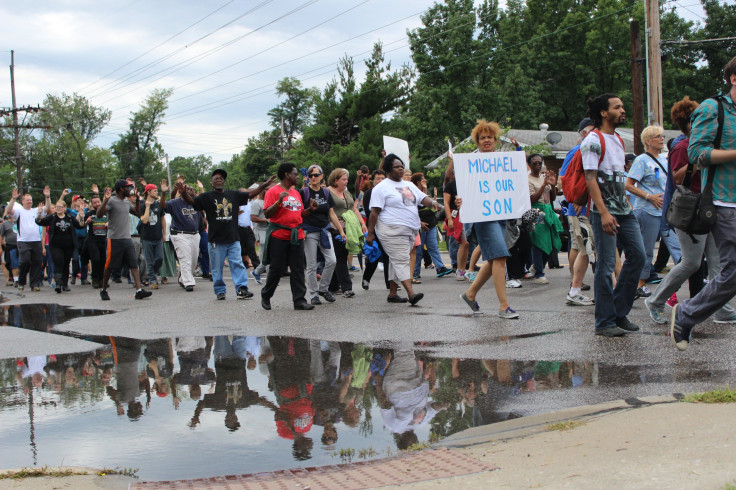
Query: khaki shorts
[[581, 235]]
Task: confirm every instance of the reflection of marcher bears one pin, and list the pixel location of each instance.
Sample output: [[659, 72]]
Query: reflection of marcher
[[193, 354], [231, 387], [292, 385], [126, 353], [403, 393], [326, 393]]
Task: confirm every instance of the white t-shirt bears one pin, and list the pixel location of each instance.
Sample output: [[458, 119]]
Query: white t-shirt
[[28, 230], [398, 202], [611, 173]]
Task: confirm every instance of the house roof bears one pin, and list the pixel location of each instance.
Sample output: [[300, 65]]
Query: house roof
[[531, 137]]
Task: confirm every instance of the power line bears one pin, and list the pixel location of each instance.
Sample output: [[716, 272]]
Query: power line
[[702, 41], [158, 45]]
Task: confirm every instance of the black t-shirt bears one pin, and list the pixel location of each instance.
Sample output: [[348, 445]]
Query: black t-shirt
[[451, 189], [63, 232], [98, 227], [321, 216], [367, 204], [153, 230], [221, 209], [427, 215]]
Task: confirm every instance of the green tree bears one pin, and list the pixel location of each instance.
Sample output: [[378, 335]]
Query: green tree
[[191, 168], [258, 160], [296, 109], [138, 151]]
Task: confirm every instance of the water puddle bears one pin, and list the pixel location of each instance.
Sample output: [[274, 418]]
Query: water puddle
[[173, 407]]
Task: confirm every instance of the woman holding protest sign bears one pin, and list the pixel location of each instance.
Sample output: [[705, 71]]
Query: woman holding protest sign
[[489, 235], [395, 219]]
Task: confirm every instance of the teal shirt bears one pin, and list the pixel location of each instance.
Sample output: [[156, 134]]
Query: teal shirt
[[702, 136]]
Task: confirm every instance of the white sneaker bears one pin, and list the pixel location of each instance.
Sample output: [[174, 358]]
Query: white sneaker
[[541, 280], [513, 283], [460, 275], [579, 300]]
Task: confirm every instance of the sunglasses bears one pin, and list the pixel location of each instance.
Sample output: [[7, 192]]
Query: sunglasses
[[314, 175]]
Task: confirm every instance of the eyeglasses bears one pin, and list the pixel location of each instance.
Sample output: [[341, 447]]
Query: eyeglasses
[[314, 175], [658, 136]]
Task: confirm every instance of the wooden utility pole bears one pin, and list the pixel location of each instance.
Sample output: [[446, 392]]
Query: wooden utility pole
[[16, 129], [654, 64], [637, 85]]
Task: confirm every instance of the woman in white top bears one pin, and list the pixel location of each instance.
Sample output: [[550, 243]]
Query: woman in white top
[[395, 219]]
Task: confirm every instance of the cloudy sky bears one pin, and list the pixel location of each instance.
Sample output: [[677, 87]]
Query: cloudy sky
[[222, 57]]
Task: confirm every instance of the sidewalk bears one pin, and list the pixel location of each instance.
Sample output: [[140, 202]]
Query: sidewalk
[[655, 442]]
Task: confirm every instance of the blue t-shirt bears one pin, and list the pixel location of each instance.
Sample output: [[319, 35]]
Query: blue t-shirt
[[183, 216], [570, 211], [651, 178]]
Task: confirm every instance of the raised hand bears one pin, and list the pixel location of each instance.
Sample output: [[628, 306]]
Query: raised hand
[[164, 186], [108, 193], [199, 185], [14, 193], [95, 189], [142, 181], [47, 191]]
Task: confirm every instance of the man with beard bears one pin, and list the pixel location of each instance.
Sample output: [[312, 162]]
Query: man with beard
[[120, 248], [612, 218]]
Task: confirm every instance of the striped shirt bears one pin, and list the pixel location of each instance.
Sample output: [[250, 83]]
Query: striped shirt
[[702, 137]]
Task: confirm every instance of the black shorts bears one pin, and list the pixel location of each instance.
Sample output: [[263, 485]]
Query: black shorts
[[120, 251]]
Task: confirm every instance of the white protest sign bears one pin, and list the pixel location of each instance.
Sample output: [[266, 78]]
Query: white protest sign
[[493, 186], [398, 147]]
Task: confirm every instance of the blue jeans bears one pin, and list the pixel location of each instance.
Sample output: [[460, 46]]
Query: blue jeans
[[224, 348], [649, 226], [429, 238], [204, 256], [539, 258], [153, 251], [452, 247], [612, 304], [218, 252]]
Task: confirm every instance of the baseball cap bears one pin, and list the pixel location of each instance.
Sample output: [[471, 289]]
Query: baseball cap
[[219, 171], [585, 123], [74, 198], [120, 184], [150, 187]]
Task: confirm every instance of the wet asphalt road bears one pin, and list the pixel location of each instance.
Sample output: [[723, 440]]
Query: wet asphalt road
[[640, 364]]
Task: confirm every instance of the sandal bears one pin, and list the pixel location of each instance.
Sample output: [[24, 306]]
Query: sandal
[[416, 280]]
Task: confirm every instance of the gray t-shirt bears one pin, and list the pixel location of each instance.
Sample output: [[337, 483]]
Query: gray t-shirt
[[256, 208], [118, 224], [9, 232]]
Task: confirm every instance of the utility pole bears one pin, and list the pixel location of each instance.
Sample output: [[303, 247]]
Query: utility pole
[[14, 110], [654, 63], [637, 85], [281, 141]]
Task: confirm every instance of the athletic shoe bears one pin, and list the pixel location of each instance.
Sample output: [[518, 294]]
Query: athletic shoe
[[443, 271], [21, 288], [472, 304], [117, 280], [65, 288], [36, 289], [243, 293], [612, 331], [513, 283], [142, 294], [154, 285], [460, 275], [73, 280], [727, 318], [189, 289], [257, 277], [672, 301], [328, 296], [541, 280], [642, 292], [352, 268], [265, 303], [585, 287], [654, 279], [680, 335], [656, 314], [57, 289], [626, 324], [84, 282], [508, 314], [579, 300], [303, 306], [348, 294], [221, 296], [366, 284], [316, 301], [430, 266], [470, 276], [104, 296]]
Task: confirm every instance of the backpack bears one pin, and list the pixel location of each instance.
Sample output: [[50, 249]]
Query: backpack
[[574, 187], [695, 214]]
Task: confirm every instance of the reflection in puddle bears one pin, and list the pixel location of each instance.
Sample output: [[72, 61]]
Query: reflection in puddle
[[173, 407], [42, 317]]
